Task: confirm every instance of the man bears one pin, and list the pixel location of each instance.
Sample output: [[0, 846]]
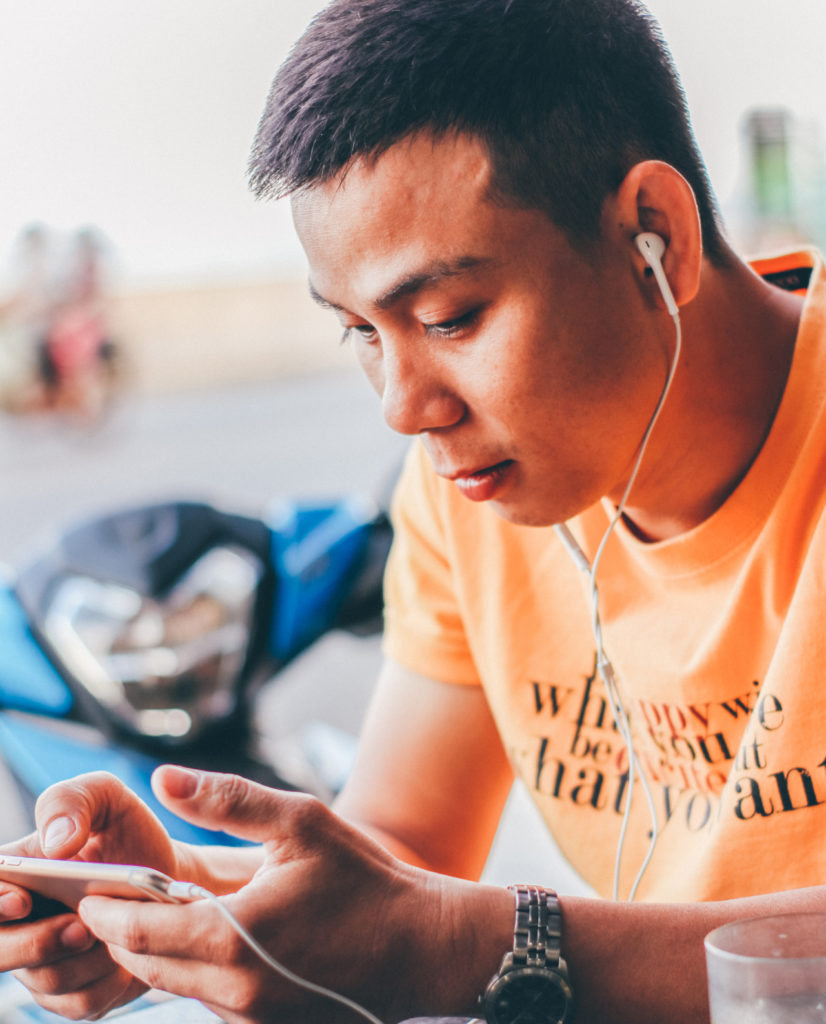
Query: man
[[476, 184]]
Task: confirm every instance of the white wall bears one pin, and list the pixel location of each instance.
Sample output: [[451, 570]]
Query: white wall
[[138, 116]]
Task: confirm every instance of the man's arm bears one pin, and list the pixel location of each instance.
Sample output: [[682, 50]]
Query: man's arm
[[644, 963], [430, 782], [340, 910], [431, 777]]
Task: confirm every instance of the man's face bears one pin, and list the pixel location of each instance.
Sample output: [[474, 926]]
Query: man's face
[[524, 365]]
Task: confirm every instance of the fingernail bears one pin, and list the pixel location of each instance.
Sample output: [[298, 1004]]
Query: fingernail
[[75, 936], [180, 783], [56, 833], [12, 906]]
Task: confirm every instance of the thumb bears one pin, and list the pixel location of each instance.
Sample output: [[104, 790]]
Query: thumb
[[213, 800], [68, 812]]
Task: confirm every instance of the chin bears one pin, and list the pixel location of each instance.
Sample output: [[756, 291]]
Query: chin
[[524, 515], [543, 509]]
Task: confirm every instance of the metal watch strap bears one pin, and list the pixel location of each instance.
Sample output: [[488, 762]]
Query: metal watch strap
[[534, 969], [537, 930]]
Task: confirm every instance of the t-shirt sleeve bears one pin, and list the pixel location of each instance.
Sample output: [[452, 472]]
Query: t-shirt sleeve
[[423, 627]]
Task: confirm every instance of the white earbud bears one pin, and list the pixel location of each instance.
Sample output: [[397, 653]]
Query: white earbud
[[650, 245], [652, 248]]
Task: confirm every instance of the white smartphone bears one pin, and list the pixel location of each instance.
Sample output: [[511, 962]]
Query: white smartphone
[[68, 881]]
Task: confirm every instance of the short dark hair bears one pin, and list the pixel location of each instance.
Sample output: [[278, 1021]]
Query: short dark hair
[[567, 95]]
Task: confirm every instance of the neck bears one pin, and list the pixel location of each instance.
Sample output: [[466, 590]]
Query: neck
[[738, 340]]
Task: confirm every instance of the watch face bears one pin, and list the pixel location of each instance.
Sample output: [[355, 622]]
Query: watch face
[[528, 995]]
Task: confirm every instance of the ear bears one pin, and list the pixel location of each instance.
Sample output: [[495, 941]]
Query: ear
[[654, 196]]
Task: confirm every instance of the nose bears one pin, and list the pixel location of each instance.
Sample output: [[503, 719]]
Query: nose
[[416, 393]]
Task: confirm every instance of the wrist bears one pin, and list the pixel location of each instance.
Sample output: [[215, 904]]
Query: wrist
[[473, 932], [495, 942], [532, 979]]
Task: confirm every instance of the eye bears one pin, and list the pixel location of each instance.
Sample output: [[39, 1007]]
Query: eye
[[450, 328], [364, 331]]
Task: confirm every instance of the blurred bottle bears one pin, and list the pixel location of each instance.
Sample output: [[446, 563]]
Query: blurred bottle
[[782, 195]]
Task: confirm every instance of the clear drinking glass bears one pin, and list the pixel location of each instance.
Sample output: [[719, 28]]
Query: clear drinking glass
[[769, 970]]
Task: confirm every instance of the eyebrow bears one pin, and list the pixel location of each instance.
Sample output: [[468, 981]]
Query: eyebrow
[[413, 283]]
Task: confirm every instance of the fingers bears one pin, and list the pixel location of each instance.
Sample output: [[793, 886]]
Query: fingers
[[225, 802], [66, 815], [90, 1001], [28, 846], [65, 968], [160, 929], [192, 952], [31, 944], [16, 903], [98, 806], [58, 958], [174, 948], [69, 973], [68, 812]]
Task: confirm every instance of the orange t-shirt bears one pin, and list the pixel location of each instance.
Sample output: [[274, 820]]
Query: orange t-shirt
[[718, 637]]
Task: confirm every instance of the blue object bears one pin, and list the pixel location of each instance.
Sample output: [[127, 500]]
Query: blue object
[[315, 548], [41, 755], [28, 680]]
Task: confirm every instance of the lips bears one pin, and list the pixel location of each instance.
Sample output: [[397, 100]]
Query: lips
[[484, 484]]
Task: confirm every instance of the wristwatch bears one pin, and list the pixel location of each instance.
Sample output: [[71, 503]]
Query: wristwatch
[[531, 985]]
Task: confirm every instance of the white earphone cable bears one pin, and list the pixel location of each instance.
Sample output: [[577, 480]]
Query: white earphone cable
[[604, 666], [191, 891], [621, 717]]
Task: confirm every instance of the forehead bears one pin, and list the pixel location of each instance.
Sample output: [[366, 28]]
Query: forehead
[[424, 200], [419, 171]]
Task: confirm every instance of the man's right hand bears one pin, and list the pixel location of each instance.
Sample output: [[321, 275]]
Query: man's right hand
[[93, 818]]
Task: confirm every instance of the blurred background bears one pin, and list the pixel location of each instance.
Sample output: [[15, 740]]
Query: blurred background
[[125, 130], [136, 120]]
